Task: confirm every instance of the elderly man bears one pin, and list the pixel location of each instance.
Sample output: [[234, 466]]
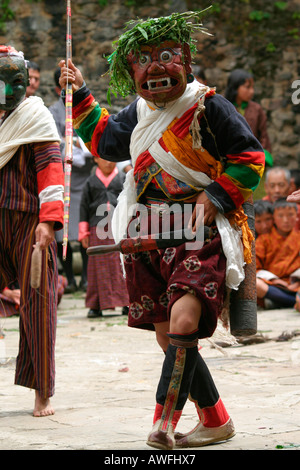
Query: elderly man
[[277, 184], [176, 133], [31, 209]]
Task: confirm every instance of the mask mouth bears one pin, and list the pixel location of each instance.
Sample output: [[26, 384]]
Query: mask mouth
[[159, 84]]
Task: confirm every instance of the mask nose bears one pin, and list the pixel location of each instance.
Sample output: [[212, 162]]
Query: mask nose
[[155, 67]]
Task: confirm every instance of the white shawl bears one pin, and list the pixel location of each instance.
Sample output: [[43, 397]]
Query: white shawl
[[145, 136], [30, 122]]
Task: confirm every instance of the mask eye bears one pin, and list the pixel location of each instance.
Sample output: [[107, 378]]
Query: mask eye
[[144, 60], [166, 56]]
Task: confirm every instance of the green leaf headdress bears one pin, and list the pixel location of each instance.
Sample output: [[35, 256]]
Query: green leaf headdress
[[177, 27]]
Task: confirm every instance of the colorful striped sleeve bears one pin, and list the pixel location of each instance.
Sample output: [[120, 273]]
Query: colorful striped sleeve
[[106, 136], [242, 153], [89, 120], [50, 180]]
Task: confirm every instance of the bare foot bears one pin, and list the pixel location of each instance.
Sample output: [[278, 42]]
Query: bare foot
[[42, 406]]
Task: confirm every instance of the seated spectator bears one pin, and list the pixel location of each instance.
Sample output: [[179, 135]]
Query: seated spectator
[[263, 217], [10, 301], [277, 184], [278, 259], [294, 188], [10, 297], [295, 180]]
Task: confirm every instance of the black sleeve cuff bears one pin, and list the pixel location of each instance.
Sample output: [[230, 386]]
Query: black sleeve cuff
[[220, 198]]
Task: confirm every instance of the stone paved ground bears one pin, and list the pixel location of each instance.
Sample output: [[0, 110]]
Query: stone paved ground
[[107, 375]]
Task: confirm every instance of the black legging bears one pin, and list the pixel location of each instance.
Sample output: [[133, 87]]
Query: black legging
[[67, 264]]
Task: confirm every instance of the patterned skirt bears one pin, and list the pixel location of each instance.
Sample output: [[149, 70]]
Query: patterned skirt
[[156, 279]]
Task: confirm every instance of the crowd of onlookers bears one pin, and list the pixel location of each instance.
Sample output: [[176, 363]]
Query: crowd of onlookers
[[277, 242]]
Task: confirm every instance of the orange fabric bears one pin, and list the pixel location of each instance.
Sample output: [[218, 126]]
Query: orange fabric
[[239, 218], [277, 254], [196, 159]]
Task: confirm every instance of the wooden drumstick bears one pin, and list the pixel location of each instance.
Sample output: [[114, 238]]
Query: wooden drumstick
[[36, 267]]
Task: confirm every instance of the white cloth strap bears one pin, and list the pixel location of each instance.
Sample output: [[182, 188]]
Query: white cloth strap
[[30, 122], [153, 122]]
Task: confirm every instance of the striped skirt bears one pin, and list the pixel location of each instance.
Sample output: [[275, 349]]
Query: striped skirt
[[106, 284], [35, 367]]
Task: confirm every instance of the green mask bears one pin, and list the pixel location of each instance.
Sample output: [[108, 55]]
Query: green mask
[[13, 82]]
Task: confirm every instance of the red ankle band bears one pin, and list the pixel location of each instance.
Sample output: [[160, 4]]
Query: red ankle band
[[213, 416], [158, 413]]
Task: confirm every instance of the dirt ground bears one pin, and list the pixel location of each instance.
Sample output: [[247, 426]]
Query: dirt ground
[[106, 378]]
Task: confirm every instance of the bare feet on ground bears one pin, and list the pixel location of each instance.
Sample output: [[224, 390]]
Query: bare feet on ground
[[42, 407]]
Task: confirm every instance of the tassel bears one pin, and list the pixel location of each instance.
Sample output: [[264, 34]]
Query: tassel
[[195, 126]]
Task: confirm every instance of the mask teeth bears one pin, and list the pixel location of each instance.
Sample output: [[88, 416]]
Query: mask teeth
[[157, 84]]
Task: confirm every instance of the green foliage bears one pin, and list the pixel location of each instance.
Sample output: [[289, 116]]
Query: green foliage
[[281, 5], [271, 47], [216, 8], [178, 27], [130, 3], [258, 15], [294, 33], [6, 14]]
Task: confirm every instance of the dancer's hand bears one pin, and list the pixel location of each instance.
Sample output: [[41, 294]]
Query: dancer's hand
[[204, 214], [85, 242], [44, 234], [71, 74]]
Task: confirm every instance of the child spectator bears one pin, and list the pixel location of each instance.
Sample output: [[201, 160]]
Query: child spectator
[[240, 92], [263, 217], [106, 284], [277, 257]]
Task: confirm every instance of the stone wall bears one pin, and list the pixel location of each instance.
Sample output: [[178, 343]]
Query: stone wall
[[259, 36]]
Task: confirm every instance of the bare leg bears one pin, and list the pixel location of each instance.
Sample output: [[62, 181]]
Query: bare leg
[[42, 406], [261, 288], [185, 315], [161, 330]]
